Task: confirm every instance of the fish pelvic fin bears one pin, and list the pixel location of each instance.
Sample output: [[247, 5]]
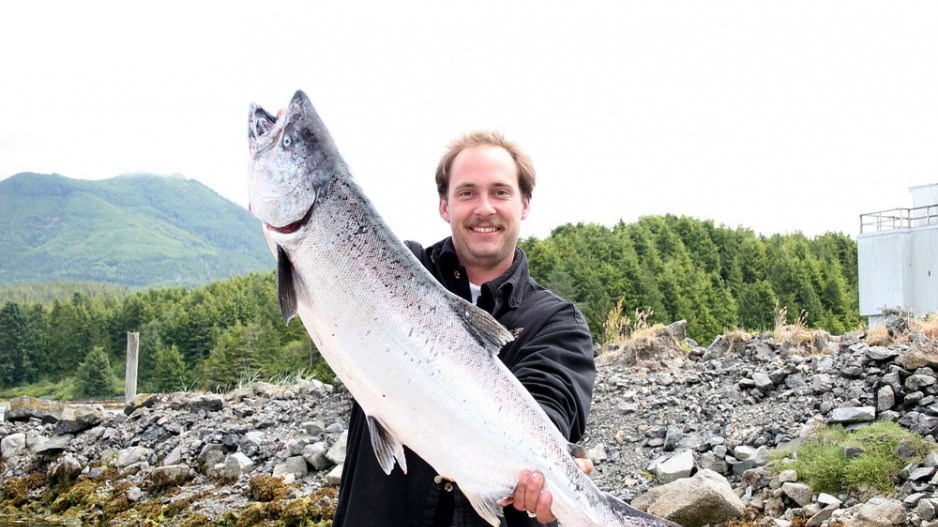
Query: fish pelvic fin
[[286, 291], [487, 506], [387, 447], [483, 326], [627, 516]]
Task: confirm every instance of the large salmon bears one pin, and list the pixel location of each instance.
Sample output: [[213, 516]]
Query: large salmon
[[420, 361]]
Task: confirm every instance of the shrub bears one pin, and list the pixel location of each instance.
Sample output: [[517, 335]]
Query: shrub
[[823, 461]]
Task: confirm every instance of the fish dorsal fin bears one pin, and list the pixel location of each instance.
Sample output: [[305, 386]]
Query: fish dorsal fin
[[483, 326], [286, 291], [487, 506], [387, 447]]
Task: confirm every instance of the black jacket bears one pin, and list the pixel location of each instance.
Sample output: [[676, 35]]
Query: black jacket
[[552, 356]]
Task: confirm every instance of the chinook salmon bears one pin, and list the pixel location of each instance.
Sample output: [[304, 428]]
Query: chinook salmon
[[421, 362]]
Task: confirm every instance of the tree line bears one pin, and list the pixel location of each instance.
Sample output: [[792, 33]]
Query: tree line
[[215, 336]]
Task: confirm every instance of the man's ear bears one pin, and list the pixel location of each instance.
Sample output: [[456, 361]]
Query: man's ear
[[525, 207], [444, 209]]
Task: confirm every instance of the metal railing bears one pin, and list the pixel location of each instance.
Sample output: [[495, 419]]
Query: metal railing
[[887, 220]]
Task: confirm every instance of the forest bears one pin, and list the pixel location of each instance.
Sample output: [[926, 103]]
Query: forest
[[65, 341]]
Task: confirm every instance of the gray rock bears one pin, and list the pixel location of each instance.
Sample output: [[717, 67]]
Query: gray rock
[[710, 461], [134, 494], [239, 461], [207, 402], [52, 445], [132, 455], [762, 382], [676, 467], [918, 381], [12, 445], [315, 455], [598, 454], [673, 437], [706, 498], [174, 456], [881, 512], [313, 428], [921, 473], [170, 475], [211, 455], [334, 477], [65, 469], [797, 492], [860, 414], [25, 408], [817, 519], [925, 510], [74, 419], [885, 398], [881, 353], [336, 452], [295, 465]]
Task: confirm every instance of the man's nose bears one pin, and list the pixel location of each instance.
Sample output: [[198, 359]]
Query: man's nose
[[484, 207]]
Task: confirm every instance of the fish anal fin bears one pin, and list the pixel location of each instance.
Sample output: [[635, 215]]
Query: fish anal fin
[[387, 448], [486, 505], [483, 326], [286, 290]]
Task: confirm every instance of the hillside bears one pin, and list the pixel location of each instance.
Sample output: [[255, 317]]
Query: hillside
[[134, 231]]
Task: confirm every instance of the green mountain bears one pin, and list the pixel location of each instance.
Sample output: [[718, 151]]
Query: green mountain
[[134, 231]]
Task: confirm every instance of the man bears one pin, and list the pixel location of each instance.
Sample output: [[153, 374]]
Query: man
[[485, 185]]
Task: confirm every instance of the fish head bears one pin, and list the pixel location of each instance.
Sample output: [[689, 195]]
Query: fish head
[[292, 160]]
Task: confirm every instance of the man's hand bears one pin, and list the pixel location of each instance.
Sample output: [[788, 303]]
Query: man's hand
[[530, 496]]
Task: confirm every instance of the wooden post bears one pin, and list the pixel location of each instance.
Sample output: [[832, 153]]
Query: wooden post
[[130, 372]]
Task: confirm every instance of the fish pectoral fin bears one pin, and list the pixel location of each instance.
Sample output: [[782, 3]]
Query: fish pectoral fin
[[286, 291], [483, 326], [387, 447], [486, 505]]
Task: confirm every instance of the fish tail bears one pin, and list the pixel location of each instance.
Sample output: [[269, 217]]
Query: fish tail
[[628, 516]]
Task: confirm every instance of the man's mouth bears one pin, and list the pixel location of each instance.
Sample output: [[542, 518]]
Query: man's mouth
[[484, 229]]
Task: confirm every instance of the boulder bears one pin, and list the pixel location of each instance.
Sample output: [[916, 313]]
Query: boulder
[[706, 498]]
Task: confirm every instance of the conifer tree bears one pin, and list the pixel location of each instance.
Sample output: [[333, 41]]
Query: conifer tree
[[94, 377], [169, 370]]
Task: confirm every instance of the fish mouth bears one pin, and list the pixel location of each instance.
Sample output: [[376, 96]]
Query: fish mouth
[[292, 227]]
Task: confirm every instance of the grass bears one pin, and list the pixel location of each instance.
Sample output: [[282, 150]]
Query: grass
[[823, 463], [59, 390], [620, 330]]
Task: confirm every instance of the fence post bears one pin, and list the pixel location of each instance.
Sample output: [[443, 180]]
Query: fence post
[[130, 372]]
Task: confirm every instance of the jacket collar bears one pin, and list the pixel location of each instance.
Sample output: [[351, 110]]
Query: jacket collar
[[499, 295]]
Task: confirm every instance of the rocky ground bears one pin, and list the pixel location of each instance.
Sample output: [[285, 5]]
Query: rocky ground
[[681, 430]]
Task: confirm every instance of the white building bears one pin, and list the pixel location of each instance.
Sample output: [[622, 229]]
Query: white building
[[897, 253]]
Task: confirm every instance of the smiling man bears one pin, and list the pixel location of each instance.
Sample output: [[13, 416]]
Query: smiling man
[[485, 185]]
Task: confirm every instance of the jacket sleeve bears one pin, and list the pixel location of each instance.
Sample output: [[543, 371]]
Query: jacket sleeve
[[553, 359]]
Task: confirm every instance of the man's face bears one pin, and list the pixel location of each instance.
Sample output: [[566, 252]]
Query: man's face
[[484, 208]]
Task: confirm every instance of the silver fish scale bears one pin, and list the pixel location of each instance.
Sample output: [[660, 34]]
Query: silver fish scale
[[413, 347], [404, 348]]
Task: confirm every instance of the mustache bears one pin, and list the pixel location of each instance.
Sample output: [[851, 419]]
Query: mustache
[[488, 222]]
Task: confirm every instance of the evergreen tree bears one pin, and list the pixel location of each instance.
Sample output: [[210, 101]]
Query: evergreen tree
[[94, 377], [169, 371], [17, 346]]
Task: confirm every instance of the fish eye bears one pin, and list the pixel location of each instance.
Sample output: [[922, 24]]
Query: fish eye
[[287, 141]]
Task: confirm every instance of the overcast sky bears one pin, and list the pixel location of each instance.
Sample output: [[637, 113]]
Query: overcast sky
[[776, 116]]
